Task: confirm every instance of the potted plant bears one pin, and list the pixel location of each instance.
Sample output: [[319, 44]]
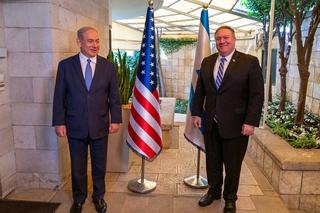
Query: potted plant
[[126, 76]]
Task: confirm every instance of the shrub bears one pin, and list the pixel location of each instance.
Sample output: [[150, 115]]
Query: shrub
[[181, 106], [282, 123]]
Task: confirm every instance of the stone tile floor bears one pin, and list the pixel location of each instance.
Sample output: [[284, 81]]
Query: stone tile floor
[[256, 195]]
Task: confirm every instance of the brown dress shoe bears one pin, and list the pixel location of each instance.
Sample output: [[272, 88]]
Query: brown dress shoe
[[230, 207], [207, 199], [100, 205], [76, 208]]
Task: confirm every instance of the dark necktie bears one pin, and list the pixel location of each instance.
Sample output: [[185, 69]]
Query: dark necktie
[[88, 74], [219, 79], [220, 72]]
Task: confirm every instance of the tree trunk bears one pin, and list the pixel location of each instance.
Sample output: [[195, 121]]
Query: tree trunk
[[304, 77], [283, 75], [283, 67]]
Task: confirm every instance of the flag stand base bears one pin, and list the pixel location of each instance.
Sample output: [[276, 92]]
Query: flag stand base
[[141, 185], [146, 186], [194, 182]]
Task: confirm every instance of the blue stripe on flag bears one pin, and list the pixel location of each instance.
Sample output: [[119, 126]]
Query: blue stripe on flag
[[205, 20], [193, 134]]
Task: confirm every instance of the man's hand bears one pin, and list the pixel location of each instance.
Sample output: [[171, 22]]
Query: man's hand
[[114, 128], [61, 130], [196, 121], [247, 130]]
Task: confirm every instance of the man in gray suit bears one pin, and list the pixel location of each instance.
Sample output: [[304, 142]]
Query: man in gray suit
[[86, 94], [230, 89]]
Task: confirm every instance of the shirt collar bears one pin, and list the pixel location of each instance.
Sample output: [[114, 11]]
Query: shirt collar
[[228, 57], [84, 58]]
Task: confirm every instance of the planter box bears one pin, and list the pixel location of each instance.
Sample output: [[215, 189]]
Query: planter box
[[293, 173], [119, 155]]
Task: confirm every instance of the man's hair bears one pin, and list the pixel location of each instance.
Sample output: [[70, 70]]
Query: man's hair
[[225, 27], [82, 30]]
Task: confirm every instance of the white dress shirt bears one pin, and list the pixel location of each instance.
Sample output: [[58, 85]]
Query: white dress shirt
[[83, 62], [226, 63]]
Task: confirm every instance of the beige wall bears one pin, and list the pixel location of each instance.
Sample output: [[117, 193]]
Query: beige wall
[[177, 71], [37, 36], [7, 152]]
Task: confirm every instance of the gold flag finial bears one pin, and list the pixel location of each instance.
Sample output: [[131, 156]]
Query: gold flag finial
[[150, 2], [205, 6]]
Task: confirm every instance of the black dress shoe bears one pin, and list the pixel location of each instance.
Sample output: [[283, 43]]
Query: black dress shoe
[[207, 199], [76, 208], [100, 205], [230, 207]]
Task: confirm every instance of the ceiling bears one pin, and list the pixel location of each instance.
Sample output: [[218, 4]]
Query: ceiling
[[124, 9], [181, 17]]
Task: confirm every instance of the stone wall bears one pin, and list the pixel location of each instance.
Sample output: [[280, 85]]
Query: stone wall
[[177, 71], [177, 67], [293, 78], [7, 152], [293, 173], [38, 35]]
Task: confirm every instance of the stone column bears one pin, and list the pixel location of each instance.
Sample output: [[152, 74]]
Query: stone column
[[38, 35], [7, 154]]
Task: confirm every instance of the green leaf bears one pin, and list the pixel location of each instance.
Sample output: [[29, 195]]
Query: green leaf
[[172, 45], [127, 69]]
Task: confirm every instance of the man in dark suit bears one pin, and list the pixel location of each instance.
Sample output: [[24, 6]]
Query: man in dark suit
[[86, 94], [230, 90]]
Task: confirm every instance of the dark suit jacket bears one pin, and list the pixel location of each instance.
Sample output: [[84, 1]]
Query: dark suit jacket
[[86, 112], [239, 99]]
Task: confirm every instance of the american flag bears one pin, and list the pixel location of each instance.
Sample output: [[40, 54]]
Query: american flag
[[144, 129]]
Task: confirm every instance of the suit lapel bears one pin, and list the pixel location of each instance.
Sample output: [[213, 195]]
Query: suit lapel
[[97, 74], [231, 68], [211, 70], [78, 70]]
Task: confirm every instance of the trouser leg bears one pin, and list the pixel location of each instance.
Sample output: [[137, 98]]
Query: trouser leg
[[234, 151], [98, 154], [214, 163], [79, 155]]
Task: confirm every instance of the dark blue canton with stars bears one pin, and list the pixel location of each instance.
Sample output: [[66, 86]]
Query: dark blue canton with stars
[[147, 72]]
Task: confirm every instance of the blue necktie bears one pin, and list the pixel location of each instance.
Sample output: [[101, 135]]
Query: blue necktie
[[88, 74], [220, 72]]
